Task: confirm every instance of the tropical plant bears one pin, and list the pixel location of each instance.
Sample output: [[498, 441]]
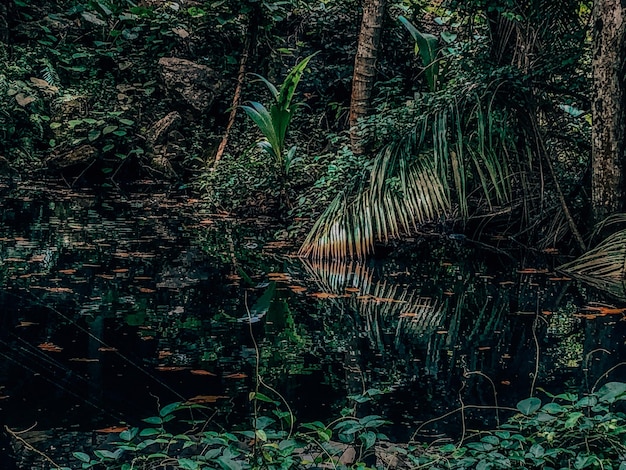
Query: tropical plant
[[453, 140], [273, 123], [476, 137], [427, 45], [604, 266]]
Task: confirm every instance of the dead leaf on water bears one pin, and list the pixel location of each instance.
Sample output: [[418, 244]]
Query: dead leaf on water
[[84, 359], [113, 429], [297, 289], [107, 349], [50, 347], [171, 368], [201, 372], [239, 375], [24, 324], [198, 399], [324, 295]]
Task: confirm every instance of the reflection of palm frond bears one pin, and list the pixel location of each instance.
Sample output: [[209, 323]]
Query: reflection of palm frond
[[384, 306], [603, 267]]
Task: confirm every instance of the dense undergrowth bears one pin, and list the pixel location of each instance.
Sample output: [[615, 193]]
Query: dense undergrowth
[[563, 431]]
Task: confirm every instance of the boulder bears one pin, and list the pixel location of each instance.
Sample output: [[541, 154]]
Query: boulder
[[83, 155], [159, 131], [193, 84]]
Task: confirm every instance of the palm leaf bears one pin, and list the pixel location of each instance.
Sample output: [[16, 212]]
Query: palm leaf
[[606, 261], [350, 226]]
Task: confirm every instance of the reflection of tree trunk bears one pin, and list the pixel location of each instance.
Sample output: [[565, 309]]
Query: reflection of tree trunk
[[365, 66], [609, 117]]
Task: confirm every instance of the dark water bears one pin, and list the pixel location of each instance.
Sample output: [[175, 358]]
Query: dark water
[[115, 303]]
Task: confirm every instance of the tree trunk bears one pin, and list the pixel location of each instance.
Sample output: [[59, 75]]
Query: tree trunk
[[365, 67], [608, 108]]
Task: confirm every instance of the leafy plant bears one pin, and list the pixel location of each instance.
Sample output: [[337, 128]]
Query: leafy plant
[[427, 46], [273, 123]]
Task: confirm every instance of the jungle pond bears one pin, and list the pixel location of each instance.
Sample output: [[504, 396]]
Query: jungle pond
[[114, 304]]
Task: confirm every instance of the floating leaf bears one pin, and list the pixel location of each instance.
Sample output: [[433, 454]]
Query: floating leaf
[[112, 429], [201, 372], [205, 399], [239, 375], [50, 347]]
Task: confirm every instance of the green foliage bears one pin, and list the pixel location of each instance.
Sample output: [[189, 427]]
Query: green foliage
[[427, 46], [274, 123], [568, 431], [267, 445]]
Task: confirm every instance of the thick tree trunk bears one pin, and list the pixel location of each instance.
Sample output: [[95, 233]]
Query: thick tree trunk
[[365, 66], [608, 108]]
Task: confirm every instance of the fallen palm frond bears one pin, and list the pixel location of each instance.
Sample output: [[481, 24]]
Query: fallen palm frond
[[412, 180], [604, 267]]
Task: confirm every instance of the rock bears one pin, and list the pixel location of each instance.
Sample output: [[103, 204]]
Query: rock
[[195, 85], [159, 131], [84, 154]]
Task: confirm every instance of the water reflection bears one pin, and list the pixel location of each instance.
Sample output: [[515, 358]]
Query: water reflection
[[111, 304]]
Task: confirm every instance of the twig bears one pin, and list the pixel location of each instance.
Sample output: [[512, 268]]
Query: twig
[[241, 75], [30, 447]]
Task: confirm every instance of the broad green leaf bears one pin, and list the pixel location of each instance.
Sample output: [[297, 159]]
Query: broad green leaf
[[82, 456], [427, 45], [572, 419], [553, 408], [368, 439], [612, 392], [153, 420], [529, 405], [168, 409], [188, 464]]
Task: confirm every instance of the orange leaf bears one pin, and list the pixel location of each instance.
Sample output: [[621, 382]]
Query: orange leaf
[[324, 295], [205, 399], [113, 429], [170, 368], [239, 375], [201, 372], [50, 347]]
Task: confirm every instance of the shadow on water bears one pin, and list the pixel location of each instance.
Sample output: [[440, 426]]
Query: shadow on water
[[113, 305]]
